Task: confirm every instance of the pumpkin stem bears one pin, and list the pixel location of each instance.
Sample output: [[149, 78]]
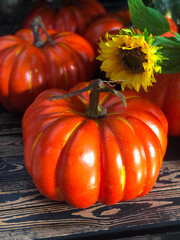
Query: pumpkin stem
[[96, 87], [36, 24], [95, 110]]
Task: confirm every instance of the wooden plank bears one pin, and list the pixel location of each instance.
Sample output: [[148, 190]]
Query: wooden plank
[[21, 193], [11, 145], [10, 123], [169, 176], [160, 208], [12, 168]]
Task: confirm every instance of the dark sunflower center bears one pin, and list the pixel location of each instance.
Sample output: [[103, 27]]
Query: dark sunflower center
[[133, 59]]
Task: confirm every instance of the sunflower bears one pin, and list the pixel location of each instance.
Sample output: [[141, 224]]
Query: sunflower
[[130, 58]]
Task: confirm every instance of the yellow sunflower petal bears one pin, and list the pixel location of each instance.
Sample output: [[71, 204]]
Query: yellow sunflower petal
[[135, 75]]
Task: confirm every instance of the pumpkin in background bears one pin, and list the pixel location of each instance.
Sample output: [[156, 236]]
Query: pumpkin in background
[[165, 93], [99, 28], [73, 16], [27, 70], [80, 159]]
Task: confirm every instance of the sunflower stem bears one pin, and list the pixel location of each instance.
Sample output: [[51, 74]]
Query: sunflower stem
[[176, 34], [36, 24]]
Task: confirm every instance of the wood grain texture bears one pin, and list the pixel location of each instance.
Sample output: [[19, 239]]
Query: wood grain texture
[[61, 219], [25, 212], [21, 192], [12, 168], [11, 145]]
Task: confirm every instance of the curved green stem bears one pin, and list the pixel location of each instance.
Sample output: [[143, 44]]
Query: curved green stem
[[96, 87], [176, 34]]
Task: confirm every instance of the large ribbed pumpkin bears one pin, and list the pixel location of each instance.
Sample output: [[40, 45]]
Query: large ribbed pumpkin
[[75, 158]]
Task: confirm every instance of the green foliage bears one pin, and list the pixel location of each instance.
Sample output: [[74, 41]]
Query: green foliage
[[171, 50], [144, 17]]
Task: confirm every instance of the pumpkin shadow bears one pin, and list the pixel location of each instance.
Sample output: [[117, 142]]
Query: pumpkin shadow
[[19, 102]]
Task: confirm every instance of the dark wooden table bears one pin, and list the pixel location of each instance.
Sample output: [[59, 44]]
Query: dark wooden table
[[26, 214]]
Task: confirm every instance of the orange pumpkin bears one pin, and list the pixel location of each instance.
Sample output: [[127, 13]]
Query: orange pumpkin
[[72, 16], [81, 159], [28, 67], [165, 93]]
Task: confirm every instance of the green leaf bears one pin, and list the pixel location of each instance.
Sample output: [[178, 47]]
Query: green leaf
[[171, 50], [145, 17], [172, 65], [165, 42]]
